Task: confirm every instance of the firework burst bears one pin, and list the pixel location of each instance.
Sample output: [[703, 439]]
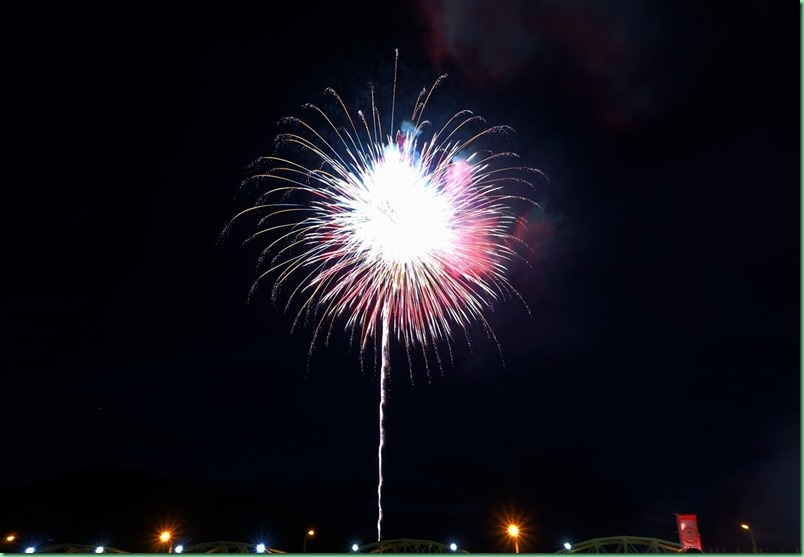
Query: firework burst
[[404, 235]]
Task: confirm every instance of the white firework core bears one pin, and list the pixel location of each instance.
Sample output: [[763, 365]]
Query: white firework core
[[401, 219]]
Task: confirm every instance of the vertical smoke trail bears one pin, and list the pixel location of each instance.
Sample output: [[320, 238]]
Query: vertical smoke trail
[[385, 369]]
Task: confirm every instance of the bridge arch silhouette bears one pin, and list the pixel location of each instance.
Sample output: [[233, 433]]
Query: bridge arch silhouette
[[76, 548], [613, 544], [624, 544]]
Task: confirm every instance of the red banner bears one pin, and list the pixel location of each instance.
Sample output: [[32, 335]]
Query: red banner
[[688, 532]]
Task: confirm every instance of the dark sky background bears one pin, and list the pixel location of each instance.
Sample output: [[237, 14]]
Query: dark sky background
[[658, 374]]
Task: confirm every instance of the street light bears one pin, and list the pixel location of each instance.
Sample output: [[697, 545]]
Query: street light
[[513, 531], [747, 528], [164, 537], [308, 534]]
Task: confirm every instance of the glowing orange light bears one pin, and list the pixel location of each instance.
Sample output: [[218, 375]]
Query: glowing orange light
[[311, 532], [513, 531], [744, 526], [164, 536], [11, 538]]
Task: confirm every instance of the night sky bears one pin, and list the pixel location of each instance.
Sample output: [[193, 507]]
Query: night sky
[[656, 373]]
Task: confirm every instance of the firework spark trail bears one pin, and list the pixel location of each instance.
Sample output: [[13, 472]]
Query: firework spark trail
[[399, 235], [385, 370]]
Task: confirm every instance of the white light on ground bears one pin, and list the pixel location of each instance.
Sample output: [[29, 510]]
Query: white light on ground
[[260, 548], [178, 549], [355, 547], [567, 546], [453, 546], [99, 549], [29, 550]]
